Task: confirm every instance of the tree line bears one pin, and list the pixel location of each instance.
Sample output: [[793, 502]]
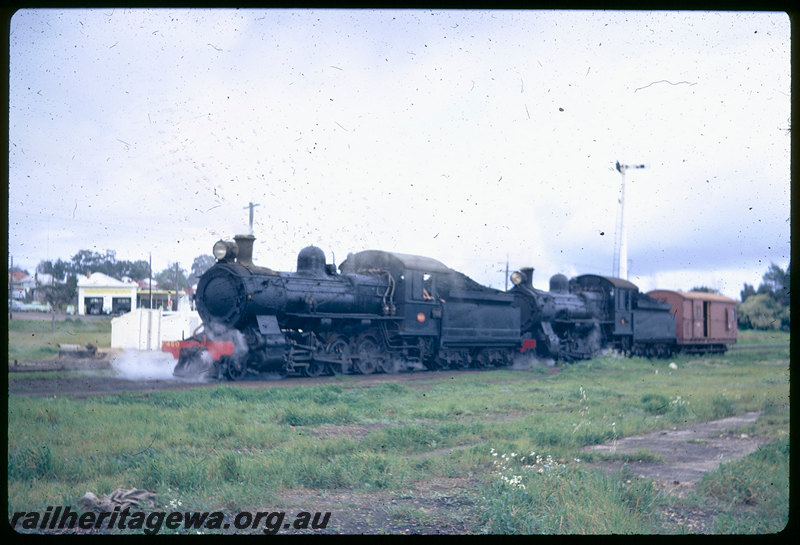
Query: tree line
[[64, 289], [768, 306]]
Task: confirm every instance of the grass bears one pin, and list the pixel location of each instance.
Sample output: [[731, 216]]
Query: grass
[[235, 448], [748, 337], [34, 340], [752, 493]]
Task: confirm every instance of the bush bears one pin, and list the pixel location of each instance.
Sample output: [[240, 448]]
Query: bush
[[762, 311]]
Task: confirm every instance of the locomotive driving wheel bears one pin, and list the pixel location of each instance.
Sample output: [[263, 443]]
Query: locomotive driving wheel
[[367, 353], [233, 369], [390, 365], [338, 348], [313, 369]]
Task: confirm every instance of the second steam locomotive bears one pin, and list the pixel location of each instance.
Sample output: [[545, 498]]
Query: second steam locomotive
[[389, 312]]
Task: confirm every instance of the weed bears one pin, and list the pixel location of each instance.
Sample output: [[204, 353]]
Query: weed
[[539, 494], [655, 403], [30, 463], [759, 482]]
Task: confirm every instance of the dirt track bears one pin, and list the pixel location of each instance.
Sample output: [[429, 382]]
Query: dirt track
[[94, 378]]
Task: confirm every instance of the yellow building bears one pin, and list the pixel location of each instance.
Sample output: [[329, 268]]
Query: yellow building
[[100, 294]]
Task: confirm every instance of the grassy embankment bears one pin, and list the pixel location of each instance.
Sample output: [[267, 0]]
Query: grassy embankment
[[234, 448], [37, 340]]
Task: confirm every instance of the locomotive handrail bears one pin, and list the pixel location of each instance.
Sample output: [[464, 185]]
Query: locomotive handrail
[[198, 328]]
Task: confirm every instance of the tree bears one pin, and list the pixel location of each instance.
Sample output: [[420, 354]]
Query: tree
[[61, 293], [762, 311], [767, 307], [64, 289], [777, 282], [138, 270], [57, 270], [167, 278], [200, 265], [705, 289], [86, 261], [747, 292]]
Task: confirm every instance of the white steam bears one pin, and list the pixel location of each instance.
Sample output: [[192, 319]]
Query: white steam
[[138, 365]]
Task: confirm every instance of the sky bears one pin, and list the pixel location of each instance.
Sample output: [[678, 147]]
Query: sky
[[478, 138]]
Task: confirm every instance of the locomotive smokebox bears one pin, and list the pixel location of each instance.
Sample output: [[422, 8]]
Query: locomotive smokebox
[[245, 244]]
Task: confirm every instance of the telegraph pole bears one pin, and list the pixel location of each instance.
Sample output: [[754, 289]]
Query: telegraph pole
[[620, 269], [251, 206], [150, 281], [175, 305]]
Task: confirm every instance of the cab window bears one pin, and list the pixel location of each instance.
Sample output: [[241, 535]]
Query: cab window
[[423, 286]]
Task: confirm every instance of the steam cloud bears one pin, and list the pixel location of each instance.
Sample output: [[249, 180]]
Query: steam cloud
[[136, 365]]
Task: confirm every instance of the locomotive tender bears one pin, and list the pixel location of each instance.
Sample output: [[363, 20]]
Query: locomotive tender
[[390, 312]]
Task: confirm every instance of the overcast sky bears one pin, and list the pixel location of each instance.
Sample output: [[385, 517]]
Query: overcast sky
[[474, 137]]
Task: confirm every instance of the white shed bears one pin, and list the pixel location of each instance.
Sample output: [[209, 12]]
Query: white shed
[[101, 294], [146, 329]]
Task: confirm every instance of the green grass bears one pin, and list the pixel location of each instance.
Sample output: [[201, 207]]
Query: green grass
[[565, 498], [759, 483], [230, 447], [33, 340], [747, 337]]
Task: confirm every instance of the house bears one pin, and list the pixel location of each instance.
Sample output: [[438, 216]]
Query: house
[[98, 293], [20, 281], [156, 297]]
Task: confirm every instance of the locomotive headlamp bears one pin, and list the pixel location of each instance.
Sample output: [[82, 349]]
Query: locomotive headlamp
[[517, 278], [225, 250]]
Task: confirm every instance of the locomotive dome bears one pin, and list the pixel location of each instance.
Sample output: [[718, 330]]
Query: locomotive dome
[[559, 283], [311, 259]]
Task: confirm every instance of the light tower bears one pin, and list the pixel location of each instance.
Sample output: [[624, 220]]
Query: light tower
[[620, 269]]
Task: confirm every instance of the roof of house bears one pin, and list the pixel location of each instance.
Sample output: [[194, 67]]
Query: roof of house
[[18, 276], [103, 280]]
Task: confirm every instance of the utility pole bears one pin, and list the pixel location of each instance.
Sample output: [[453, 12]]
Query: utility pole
[[506, 272], [175, 304], [620, 269], [251, 206], [150, 282]]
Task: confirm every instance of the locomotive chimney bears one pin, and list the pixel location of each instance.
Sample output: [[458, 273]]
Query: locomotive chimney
[[245, 254], [528, 272]]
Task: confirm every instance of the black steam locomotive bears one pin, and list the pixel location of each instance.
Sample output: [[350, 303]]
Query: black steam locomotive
[[389, 312], [578, 318]]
